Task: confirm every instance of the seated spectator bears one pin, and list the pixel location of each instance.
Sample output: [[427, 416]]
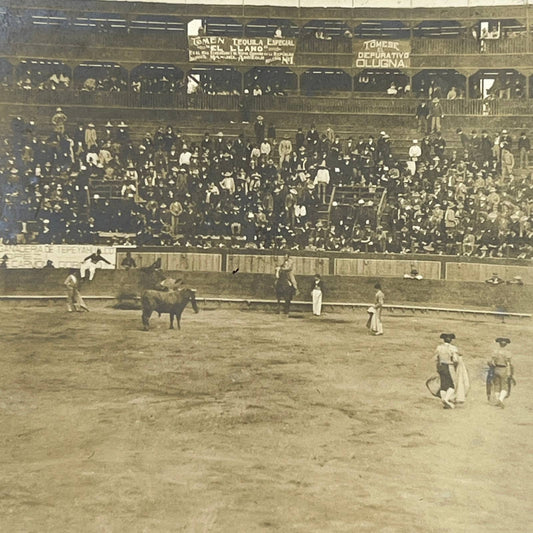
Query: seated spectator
[[128, 262], [414, 274], [494, 279]]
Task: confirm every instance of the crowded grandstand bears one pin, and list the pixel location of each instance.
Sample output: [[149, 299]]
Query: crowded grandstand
[[266, 133]]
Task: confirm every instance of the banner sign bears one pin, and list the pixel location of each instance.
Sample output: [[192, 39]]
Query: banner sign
[[258, 50], [62, 255], [377, 53]]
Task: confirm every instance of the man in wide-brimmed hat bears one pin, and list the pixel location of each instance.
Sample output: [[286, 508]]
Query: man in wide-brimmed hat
[[501, 372]]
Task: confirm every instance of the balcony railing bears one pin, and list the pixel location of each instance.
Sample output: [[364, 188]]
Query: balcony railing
[[349, 103], [469, 45]]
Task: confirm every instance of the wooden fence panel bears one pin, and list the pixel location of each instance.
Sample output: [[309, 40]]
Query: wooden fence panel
[[482, 272], [177, 261], [266, 264], [386, 268]]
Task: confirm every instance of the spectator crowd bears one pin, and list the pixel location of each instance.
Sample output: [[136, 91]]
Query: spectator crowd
[[263, 191]]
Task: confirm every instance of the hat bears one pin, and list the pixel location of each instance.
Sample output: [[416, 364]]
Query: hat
[[503, 339], [415, 141], [90, 125], [518, 278], [382, 133], [59, 110], [122, 124], [445, 336], [109, 125], [260, 117]]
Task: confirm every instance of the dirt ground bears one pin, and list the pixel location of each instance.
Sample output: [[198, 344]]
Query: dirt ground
[[244, 421]]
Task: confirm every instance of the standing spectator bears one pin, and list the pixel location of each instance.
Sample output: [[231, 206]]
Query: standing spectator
[[322, 179], [414, 154], [91, 139], [439, 145], [422, 114], [3, 264], [436, 115], [507, 164], [312, 138], [524, 145], [463, 137], [486, 148], [259, 129], [317, 292], [285, 150], [300, 139], [271, 133], [176, 209], [59, 120], [244, 107]]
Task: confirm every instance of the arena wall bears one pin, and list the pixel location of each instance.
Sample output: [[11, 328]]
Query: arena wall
[[307, 263], [352, 289]]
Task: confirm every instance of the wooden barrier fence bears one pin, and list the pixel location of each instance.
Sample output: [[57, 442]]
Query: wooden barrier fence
[[308, 265]]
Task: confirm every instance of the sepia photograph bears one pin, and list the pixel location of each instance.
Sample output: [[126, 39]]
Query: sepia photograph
[[266, 266]]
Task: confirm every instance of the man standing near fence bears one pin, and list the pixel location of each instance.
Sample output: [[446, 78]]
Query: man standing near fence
[[288, 265], [317, 292]]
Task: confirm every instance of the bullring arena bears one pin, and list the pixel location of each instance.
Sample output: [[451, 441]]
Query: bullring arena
[[378, 151], [245, 420]]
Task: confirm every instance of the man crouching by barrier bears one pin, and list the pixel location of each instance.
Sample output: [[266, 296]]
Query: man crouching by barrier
[[74, 300]]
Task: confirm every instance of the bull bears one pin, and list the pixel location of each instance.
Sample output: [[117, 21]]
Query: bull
[[172, 302]]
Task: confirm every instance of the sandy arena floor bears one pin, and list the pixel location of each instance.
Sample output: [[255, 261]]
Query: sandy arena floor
[[244, 421]]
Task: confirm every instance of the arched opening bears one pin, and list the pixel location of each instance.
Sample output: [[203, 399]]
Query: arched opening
[[95, 76], [326, 36], [167, 27], [222, 26], [390, 82], [155, 78], [261, 81], [439, 29], [497, 84], [439, 83], [325, 81], [214, 80], [101, 22], [277, 28], [43, 74], [500, 35]]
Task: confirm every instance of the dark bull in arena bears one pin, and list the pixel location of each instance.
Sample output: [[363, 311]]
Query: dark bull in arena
[[172, 302]]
